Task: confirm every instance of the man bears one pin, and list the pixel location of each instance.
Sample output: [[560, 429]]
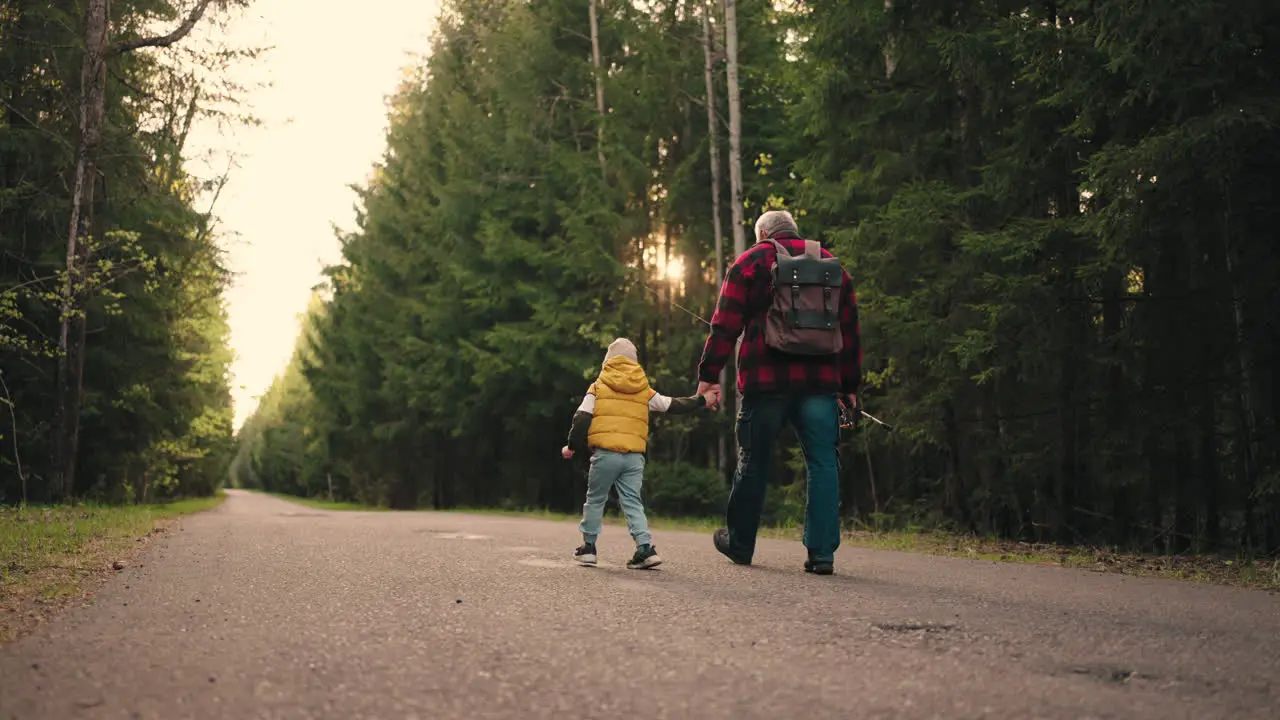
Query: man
[[805, 388]]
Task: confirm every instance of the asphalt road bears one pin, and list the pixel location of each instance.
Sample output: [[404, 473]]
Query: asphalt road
[[267, 609]]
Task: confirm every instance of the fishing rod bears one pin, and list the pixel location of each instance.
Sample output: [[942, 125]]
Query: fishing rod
[[875, 419], [627, 269], [846, 421]]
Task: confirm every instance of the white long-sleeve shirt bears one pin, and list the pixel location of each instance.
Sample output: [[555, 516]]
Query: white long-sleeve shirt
[[658, 403]]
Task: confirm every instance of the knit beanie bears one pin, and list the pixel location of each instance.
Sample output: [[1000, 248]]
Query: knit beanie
[[623, 347]]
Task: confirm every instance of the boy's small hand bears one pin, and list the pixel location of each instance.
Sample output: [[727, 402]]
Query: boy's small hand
[[566, 453]]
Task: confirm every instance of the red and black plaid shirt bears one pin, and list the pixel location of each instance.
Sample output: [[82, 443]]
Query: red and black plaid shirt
[[744, 300]]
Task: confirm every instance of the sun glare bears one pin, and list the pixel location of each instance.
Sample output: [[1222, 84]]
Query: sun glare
[[674, 270], [663, 267]]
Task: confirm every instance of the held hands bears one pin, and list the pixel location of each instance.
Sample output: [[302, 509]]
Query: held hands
[[711, 392]]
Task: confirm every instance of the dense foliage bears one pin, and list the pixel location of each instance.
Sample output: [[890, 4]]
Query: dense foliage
[[155, 416], [1059, 216]]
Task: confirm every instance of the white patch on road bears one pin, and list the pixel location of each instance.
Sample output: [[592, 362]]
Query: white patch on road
[[545, 563], [458, 536]]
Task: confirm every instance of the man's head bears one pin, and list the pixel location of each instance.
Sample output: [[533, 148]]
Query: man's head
[[774, 222], [623, 347]]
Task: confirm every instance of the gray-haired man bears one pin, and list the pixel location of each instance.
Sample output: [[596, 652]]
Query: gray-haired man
[[800, 359]]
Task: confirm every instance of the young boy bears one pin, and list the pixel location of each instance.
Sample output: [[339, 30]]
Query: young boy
[[613, 424]]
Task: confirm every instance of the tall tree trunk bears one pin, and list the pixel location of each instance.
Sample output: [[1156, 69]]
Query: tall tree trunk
[[713, 141], [735, 127], [735, 163], [71, 331], [1158, 468], [1209, 472], [1078, 502], [599, 73], [713, 144], [1247, 430], [1184, 490], [952, 491], [1116, 408], [1069, 477], [890, 46]]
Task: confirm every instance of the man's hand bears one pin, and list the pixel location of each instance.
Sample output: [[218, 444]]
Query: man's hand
[[566, 453], [713, 397], [849, 403], [711, 391]]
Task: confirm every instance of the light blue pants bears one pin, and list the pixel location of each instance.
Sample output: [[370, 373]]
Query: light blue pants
[[626, 472]]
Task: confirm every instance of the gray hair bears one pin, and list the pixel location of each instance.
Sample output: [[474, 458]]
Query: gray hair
[[774, 222]]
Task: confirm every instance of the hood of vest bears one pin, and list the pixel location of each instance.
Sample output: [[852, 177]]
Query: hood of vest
[[624, 375]]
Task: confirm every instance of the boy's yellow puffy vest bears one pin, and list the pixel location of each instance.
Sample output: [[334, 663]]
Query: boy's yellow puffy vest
[[621, 421]]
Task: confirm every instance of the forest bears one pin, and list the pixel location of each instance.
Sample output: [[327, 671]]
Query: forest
[[114, 351], [1058, 216]]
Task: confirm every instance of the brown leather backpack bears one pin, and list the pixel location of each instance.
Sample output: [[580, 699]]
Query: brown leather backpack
[[804, 317]]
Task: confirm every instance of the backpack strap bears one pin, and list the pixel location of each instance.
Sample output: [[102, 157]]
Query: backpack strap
[[812, 248], [795, 289], [779, 247]]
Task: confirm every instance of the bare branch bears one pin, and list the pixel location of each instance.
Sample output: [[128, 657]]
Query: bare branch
[[575, 33], [36, 126], [17, 456], [178, 33], [598, 72], [20, 286], [208, 216]]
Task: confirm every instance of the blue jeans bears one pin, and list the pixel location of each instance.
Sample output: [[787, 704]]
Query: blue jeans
[[816, 420], [626, 472]]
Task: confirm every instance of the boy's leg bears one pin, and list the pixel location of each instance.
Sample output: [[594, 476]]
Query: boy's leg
[[817, 423], [630, 481], [629, 484], [605, 466], [759, 421]]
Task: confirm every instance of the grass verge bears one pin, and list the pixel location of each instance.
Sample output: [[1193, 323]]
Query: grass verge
[[50, 555], [1258, 574], [1242, 572]]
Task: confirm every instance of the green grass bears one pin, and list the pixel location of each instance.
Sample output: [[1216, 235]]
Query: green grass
[[1261, 574], [1242, 572], [48, 553]]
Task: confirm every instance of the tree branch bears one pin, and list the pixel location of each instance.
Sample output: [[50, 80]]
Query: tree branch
[[17, 457], [178, 33], [208, 216]]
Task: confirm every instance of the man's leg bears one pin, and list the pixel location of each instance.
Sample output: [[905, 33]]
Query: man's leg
[[759, 420], [605, 466], [817, 422], [629, 484]]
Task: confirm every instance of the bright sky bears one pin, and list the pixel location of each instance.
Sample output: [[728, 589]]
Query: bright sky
[[330, 69]]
